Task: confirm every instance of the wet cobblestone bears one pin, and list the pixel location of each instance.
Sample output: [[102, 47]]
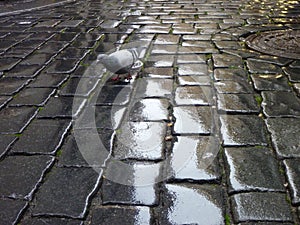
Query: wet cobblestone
[[213, 124]]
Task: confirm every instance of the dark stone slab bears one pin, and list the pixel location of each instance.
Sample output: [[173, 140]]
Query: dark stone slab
[[8, 63], [37, 59], [227, 45], [194, 80], [246, 165], [191, 204], [150, 109], [10, 86], [70, 23], [293, 170], [256, 66], [280, 103], [230, 74], [73, 53], [79, 86], [52, 47], [24, 71], [10, 210], [42, 136], [114, 95], [32, 97], [192, 69], [193, 158], [285, 135], [243, 130], [240, 103], [233, 87], [293, 73], [226, 60], [61, 107], [62, 193], [263, 82], [256, 206], [193, 95], [15, 119], [193, 120], [63, 66], [140, 140], [20, 175], [149, 87], [120, 215], [45, 80], [4, 100], [132, 195]]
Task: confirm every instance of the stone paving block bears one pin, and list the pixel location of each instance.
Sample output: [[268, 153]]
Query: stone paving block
[[79, 86], [140, 140], [158, 72], [148, 87], [265, 206], [6, 141], [193, 95], [132, 195], [70, 23], [280, 103], [166, 39], [8, 63], [194, 80], [121, 215], [10, 86], [32, 97], [45, 80], [25, 71], [227, 44], [62, 193], [192, 69], [230, 74], [61, 107], [37, 59], [285, 133], [51, 47], [14, 119], [249, 163], [226, 60], [42, 136], [166, 49], [256, 66], [86, 147], [196, 50], [193, 120], [4, 100], [114, 95], [240, 103], [292, 73], [188, 59], [150, 109], [293, 170], [73, 53], [233, 87], [62, 66], [155, 28], [20, 175], [161, 61], [243, 130], [193, 158], [191, 204], [10, 210], [263, 82]]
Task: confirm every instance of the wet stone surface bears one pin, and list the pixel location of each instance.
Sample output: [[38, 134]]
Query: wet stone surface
[[10, 210], [257, 206], [193, 95], [256, 162], [292, 170]]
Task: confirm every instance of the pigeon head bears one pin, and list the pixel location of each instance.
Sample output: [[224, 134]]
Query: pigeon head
[[102, 57]]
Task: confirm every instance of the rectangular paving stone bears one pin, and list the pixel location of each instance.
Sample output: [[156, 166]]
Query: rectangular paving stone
[[243, 130], [45, 80], [265, 206], [4, 100], [42, 136], [285, 136], [114, 95], [164, 39], [161, 60], [263, 82], [246, 165], [79, 86], [194, 80], [151, 87], [8, 63], [159, 72], [230, 74], [6, 141], [233, 87], [62, 66], [37, 59], [32, 97], [226, 60], [191, 204], [193, 120], [20, 175], [293, 170], [192, 69], [50, 220], [14, 119], [193, 95], [24, 71], [61, 107], [153, 28], [192, 58], [140, 140], [193, 158], [164, 49], [121, 215], [10, 210], [62, 193], [239, 103], [10, 86], [70, 23], [280, 103], [256, 66]]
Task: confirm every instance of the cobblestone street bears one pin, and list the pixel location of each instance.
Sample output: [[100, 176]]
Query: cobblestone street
[[206, 132]]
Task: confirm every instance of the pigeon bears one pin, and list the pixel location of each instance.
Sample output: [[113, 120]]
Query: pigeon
[[121, 61]]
